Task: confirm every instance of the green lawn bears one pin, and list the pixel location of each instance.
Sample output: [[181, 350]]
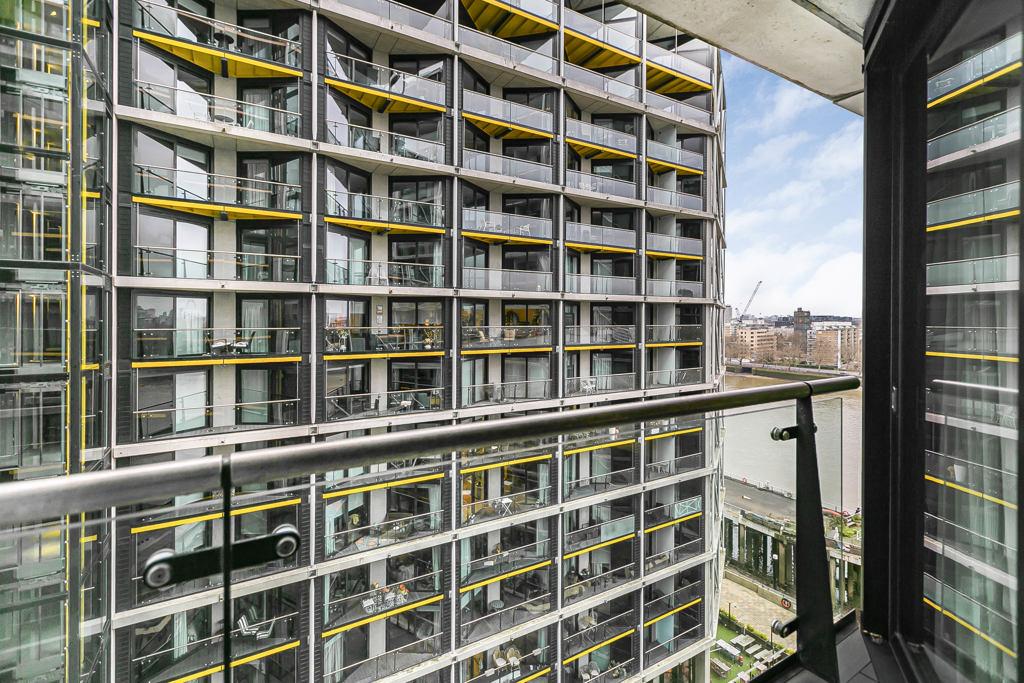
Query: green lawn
[[726, 634]]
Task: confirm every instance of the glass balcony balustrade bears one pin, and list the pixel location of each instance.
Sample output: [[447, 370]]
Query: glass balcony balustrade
[[578, 180], [343, 406], [435, 24], [215, 109], [504, 392], [514, 663], [600, 31], [587, 335], [983, 407], [35, 218], [600, 82], [998, 483], [582, 485], [680, 288], [32, 419], [990, 341], [975, 271], [505, 336], [680, 597], [505, 110], [382, 339], [511, 52], [369, 207], [595, 628], [505, 505], [373, 140], [675, 155], [677, 108], [199, 186], [672, 512], [600, 384], [678, 200], [390, 81], [578, 283], [172, 262], [383, 273], [214, 341], [599, 135], [678, 63], [674, 333], [656, 241], [501, 615], [1003, 126], [395, 660], [600, 234], [513, 225], [979, 65], [506, 279], [188, 415], [974, 205], [382, 598], [496, 564], [594, 534], [675, 643], [674, 377], [175, 22], [507, 166], [585, 583]]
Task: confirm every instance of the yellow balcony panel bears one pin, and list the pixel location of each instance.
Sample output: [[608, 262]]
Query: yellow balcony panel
[[382, 100], [676, 432], [673, 522], [382, 615], [595, 648], [591, 53], [495, 238], [382, 485], [497, 128], [598, 546], [659, 166], [970, 492], [669, 254], [661, 345], [201, 362], [662, 79], [669, 613], [592, 150], [599, 248], [506, 21], [217, 61], [981, 86], [506, 463], [599, 446], [383, 354], [368, 225], [972, 356], [534, 676], [513, 349], [599, 347], [972, 221], [228, 212], [262, 654], [506, 575]]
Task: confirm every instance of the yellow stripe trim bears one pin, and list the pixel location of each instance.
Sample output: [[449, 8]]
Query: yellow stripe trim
[[397, 354], [505, 463], [344, 85], [382, 615], [239, 662], [506, 124], [972, 356], [678, 74], [531, 677], [600, 148], [969, 627], [512, 349], [677, 432], [382, 485], [668, 254], [973, 221], [974, 84], [90, 194], [973, 492], [88, 539], [605, 544], [501, 577], [90, 366], [678, 167], [184, 205], [598, 247], [90, 22], [502, 237], [213, 361], [594, 648], [660, 345], [673, 522], [610, 444], [289, 502], [370, 225], [599, 347], [671, 612], [603, 46]]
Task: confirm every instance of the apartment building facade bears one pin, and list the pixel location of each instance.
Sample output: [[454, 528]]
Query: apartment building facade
[[235, 226]]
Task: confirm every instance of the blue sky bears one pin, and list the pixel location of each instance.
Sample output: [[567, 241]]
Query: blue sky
[[793, 201]]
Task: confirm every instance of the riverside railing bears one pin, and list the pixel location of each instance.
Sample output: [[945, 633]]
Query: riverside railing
[[64, 527]]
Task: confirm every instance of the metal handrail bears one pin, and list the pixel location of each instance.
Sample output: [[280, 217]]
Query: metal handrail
[[48, 498]]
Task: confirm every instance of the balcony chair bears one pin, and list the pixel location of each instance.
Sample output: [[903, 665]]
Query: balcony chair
[[248, 626], [514, 656], [219, 345], [498, 657], [243, 345]]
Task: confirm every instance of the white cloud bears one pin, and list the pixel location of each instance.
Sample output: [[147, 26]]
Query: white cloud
[[786, 103], [841, 155], [772, 152]]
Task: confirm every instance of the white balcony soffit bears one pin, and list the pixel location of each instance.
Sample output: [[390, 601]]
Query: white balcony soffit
[[816, 44]]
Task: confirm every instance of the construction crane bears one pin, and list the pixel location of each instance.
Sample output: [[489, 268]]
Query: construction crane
[[751, 299]]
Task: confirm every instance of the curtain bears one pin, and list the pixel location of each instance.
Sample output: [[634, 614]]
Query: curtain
[[255, 112], [190, 326], [255, 321]]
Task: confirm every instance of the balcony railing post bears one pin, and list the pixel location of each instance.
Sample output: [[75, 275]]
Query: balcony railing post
[[816, 636], [226, 561]]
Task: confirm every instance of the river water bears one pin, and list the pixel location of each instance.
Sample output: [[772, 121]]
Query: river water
[[751, 455]]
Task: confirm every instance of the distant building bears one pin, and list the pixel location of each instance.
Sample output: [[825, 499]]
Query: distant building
[[801, 326], [757, 343], [836, 344]]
